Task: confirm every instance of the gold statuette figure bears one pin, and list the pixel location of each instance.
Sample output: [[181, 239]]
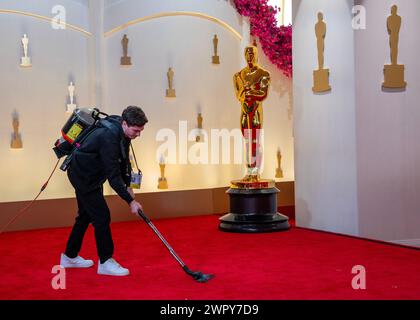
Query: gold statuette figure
[[321, 76], [215, 58], [198, 137], [394, 73], [170, 93], [251, 88], [16, 138], [162, 182], [125, 59], [279, 171]]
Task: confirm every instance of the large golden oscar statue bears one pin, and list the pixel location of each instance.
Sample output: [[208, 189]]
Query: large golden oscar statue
[[253, 201], [251, 88]]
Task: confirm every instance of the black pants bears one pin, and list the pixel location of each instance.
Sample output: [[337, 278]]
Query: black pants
[[92, 209]]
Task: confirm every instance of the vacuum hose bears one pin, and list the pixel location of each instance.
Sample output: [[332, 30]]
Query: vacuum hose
[[196, 275]]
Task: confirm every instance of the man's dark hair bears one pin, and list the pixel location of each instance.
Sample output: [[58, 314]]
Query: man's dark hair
[[134, 116]]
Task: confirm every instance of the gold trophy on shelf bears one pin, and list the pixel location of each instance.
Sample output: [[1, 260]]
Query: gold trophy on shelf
[[162, 182], [253, 201], [16, 138], [279, 171], [170, 92], [125, 59], [321, 76], [215, 59], [394, 73], [199, 136]]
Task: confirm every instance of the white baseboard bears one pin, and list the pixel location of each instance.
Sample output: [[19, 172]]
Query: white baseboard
[[408, 242]]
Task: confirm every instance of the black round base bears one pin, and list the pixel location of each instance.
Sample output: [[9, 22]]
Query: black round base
[[252, 211]]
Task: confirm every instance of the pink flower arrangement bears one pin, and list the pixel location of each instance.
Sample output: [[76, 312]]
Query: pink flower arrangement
[[276, 42]]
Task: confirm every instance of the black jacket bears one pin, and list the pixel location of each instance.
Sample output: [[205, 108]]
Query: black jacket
[[103, 155]]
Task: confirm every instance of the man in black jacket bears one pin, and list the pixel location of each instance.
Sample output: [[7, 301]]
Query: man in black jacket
[[104, 155]]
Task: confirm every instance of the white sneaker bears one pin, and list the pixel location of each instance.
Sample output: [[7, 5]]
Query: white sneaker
[[77, 262], [112, 268]]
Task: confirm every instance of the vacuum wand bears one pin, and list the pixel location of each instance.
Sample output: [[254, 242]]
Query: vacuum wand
[[197, 275]]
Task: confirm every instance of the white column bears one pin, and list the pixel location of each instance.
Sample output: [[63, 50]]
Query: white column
[[324, 124], [96, 54]]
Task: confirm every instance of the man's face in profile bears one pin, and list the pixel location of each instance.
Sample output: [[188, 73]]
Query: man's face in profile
[[131, 132]]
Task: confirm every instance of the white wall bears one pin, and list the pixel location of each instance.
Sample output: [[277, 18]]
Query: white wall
[[357, 150], [76, 10], [388, 149], [325, 138], [40, 93]]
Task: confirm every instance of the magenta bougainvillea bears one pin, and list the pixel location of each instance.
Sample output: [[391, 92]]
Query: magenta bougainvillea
[[275, 41]]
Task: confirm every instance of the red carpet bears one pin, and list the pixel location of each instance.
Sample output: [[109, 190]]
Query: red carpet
[[296, 264]]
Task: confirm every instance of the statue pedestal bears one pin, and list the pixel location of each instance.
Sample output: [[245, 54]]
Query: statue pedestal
[[70, 108], [253, 211], [215, 60], [170, 93], [321, 80], [394, 77], [126, 61], [25, 62]]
